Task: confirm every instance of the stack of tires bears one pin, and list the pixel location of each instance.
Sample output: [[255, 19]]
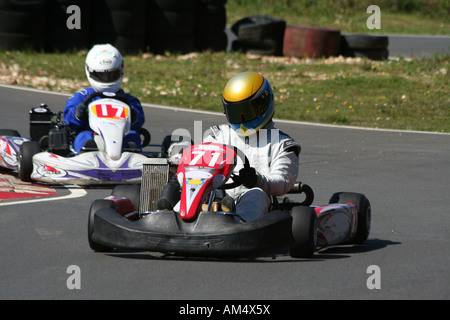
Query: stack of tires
[[170, 26], [311, 42], [22, 24], [59, 36], [210, 21], [120, 23], [259, 35], [365, 46]]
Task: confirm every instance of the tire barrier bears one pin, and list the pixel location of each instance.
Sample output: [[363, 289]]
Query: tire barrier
[[260, 35], [179, 26], [365, 46], [120, 23], [210, 20], [170, 26], [311, 42], [22, 24], [132, 26], [59, 36]]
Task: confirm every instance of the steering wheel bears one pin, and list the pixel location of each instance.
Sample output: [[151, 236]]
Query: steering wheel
[[237, 180], [107, 95]]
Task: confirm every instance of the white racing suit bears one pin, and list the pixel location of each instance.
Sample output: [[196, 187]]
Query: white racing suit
[[275, 157]]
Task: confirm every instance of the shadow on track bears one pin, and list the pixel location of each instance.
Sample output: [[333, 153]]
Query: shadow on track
[[278, 256]]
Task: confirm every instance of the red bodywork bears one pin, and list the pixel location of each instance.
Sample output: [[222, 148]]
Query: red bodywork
[[202, 168]]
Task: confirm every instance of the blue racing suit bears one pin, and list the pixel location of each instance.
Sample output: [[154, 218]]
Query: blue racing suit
[[82, 127]]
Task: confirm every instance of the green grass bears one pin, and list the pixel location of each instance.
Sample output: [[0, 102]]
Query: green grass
[[397, 16], [390, 94], [401, 94]]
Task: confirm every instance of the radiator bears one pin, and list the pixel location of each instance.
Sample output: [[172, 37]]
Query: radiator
[[155, 175]]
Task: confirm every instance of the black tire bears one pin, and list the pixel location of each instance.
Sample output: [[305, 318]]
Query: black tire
[[22, 24], [260, 34], [172, 22], [96, 206], [211, 18], [375, 54], [59, 36], [364, 213], [174, 5], [27, 151], [304, 231], [9, 133], [146, 137], [364, 41], [209, 26], [132, 192], [365, 46], [121, 23]]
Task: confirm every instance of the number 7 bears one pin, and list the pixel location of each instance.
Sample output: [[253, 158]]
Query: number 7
[[199, 155]]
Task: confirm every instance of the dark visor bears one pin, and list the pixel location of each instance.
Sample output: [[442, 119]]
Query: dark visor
[[245, 111], [106, 76]]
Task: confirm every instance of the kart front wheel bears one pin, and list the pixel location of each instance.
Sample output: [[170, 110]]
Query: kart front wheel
[[96, 206], [364, 213], [27, 151], [304, 231]]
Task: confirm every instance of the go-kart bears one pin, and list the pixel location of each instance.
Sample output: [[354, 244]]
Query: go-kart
[[10, 142], [49, 156], [127, 219]]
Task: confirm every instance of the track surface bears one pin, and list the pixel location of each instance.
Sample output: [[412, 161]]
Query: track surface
[[405, 176]]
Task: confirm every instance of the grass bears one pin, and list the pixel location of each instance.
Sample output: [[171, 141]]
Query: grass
[[397, 16], [398, 94], [395, 94]]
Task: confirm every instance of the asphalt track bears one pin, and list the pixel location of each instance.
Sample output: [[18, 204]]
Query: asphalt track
[[405, 175]]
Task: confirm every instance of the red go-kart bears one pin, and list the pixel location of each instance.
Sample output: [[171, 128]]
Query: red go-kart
[[202, 227]]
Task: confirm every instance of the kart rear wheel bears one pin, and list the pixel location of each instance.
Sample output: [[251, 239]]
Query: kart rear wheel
[[96, 206], [27, 151], [304, 231], [364, 213]]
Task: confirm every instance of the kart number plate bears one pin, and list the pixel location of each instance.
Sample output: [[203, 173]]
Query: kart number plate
[[110, 111]]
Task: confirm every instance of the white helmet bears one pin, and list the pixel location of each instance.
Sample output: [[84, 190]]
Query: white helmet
[[104, 68]]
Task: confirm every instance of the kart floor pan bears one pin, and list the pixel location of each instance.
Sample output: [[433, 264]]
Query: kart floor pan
[[212, 234]]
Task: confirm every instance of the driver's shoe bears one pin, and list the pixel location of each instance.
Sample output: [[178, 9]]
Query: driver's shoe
[[163, 204], [228, 204]]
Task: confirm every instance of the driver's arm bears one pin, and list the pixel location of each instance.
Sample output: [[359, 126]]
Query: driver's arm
[[70, 111]]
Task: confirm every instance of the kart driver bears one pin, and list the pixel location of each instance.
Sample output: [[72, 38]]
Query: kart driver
[[104, 71], [248, 103]]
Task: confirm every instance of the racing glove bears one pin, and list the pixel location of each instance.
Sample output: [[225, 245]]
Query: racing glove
[[248, 177], [81, 112]]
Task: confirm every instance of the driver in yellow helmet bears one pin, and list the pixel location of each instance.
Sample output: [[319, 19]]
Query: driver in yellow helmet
[[248, 103]]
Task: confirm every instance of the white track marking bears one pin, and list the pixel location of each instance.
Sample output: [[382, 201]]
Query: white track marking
[[75, 192]]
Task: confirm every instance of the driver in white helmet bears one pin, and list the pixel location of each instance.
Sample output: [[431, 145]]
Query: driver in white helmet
[[248, 103], [104, 70]]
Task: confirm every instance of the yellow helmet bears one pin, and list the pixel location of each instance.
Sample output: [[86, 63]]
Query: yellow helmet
[[248, 102]]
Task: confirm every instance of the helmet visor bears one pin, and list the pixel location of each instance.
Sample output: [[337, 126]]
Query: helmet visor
[[248, 110], [106, 76]]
